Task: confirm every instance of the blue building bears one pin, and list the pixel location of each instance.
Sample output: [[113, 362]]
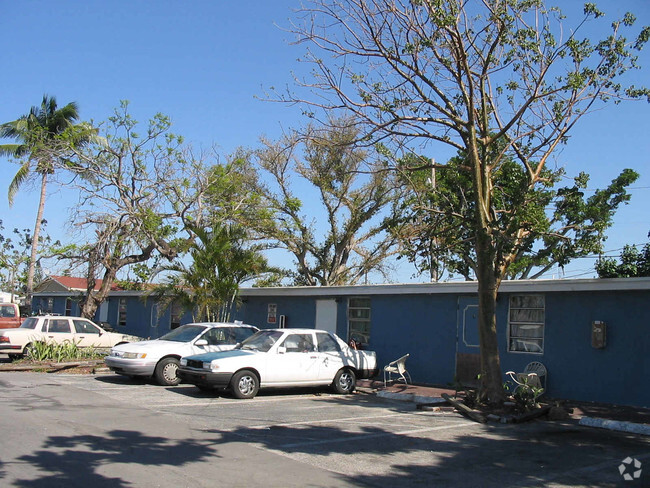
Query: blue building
[[128, 311], [592, 335]]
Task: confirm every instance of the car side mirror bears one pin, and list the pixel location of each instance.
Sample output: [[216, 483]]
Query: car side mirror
[[201, 343], [282, 349]]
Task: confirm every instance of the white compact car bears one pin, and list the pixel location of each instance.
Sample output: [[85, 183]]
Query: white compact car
[[160, 357], [58, 330], [281, 358]]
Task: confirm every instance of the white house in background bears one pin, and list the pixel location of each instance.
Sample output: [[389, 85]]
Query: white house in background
[[6, 298]]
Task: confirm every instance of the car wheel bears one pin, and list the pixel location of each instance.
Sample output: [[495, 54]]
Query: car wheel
[[345, 381], [28, 351], [166, 372], [244, 384]]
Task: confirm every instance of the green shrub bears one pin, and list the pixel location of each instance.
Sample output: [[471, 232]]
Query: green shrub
[[67, 351]]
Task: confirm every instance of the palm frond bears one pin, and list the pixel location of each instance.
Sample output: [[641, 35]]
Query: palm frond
[[21, 175]]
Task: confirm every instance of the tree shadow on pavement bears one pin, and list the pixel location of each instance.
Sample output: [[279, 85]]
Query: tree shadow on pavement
[[458, 453], [75, 460]]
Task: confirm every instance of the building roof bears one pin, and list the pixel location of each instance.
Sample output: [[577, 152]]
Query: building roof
[[457, 287], [69, 283], [63, 285]]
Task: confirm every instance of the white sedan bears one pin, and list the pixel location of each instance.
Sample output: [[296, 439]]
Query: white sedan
[[57, 329], [159, 357], [281, 358]]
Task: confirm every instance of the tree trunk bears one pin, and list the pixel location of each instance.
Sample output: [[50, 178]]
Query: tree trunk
[[93, 299], [88, 306], [35, 236], [488, 286]]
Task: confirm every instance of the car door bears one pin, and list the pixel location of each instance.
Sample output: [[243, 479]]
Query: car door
[[329, 355], [88, 334], [59, 330], [293, 361]]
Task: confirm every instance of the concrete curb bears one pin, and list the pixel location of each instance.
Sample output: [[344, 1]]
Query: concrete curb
[[409, 397], [631, 427], [617, 425]]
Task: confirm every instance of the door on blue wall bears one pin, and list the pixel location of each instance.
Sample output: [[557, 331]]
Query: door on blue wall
[[326, 315], [103, 311], [468, 359]]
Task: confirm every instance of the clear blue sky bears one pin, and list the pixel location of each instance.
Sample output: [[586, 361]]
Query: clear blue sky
[[204, 62]]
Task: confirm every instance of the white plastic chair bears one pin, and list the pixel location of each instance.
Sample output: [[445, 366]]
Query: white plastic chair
[[534, 375], [397, 368]]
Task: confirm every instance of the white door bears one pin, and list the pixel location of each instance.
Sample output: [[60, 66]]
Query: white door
[[87, 335], [59, 331], [326, 315], [297, 363], [330, 357]]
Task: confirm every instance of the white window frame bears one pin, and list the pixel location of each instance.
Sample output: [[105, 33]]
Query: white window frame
[[522, 339], [368, 320], [121, 312]]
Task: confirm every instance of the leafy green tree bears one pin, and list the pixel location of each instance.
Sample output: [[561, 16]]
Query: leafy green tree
[[126, 213], [208, 286], [12, 263], [14, 258], [434, 224], [475, 77], [44, 137], [352, 192], [632, 264]]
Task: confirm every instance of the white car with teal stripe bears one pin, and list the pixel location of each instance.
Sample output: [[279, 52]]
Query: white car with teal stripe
[[280, 358]]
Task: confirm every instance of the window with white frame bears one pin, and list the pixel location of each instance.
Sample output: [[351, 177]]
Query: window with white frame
[[526, 324], [359, 321], [121, 312]]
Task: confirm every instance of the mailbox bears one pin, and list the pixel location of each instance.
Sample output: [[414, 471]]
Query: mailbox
[[598, 334]]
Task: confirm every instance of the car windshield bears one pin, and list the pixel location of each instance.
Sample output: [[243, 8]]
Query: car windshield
[[261, 341], [29, 323], [185, 333]]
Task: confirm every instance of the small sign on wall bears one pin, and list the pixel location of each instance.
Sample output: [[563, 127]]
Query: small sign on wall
[[272, 313], [598, 334]]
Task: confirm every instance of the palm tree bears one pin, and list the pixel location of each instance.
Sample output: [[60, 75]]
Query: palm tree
[[209, 287], [42, 135]]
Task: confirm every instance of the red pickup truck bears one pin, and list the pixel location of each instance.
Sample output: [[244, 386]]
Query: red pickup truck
[[9, 316]]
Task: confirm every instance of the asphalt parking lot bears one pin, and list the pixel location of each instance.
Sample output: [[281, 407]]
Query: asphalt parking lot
[[68, 430]]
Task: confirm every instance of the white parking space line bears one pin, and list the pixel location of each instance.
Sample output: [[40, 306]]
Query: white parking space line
[[328, 421], [221, 401], [365, 437]]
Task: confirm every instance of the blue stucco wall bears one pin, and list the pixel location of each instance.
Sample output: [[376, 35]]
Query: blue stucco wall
[[298, 311], [140, 319], [615, 374], [423, 326], [427, 327]]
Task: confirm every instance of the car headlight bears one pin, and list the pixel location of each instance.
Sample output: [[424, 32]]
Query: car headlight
[[183, 362], [210, 366], [134, 355]]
